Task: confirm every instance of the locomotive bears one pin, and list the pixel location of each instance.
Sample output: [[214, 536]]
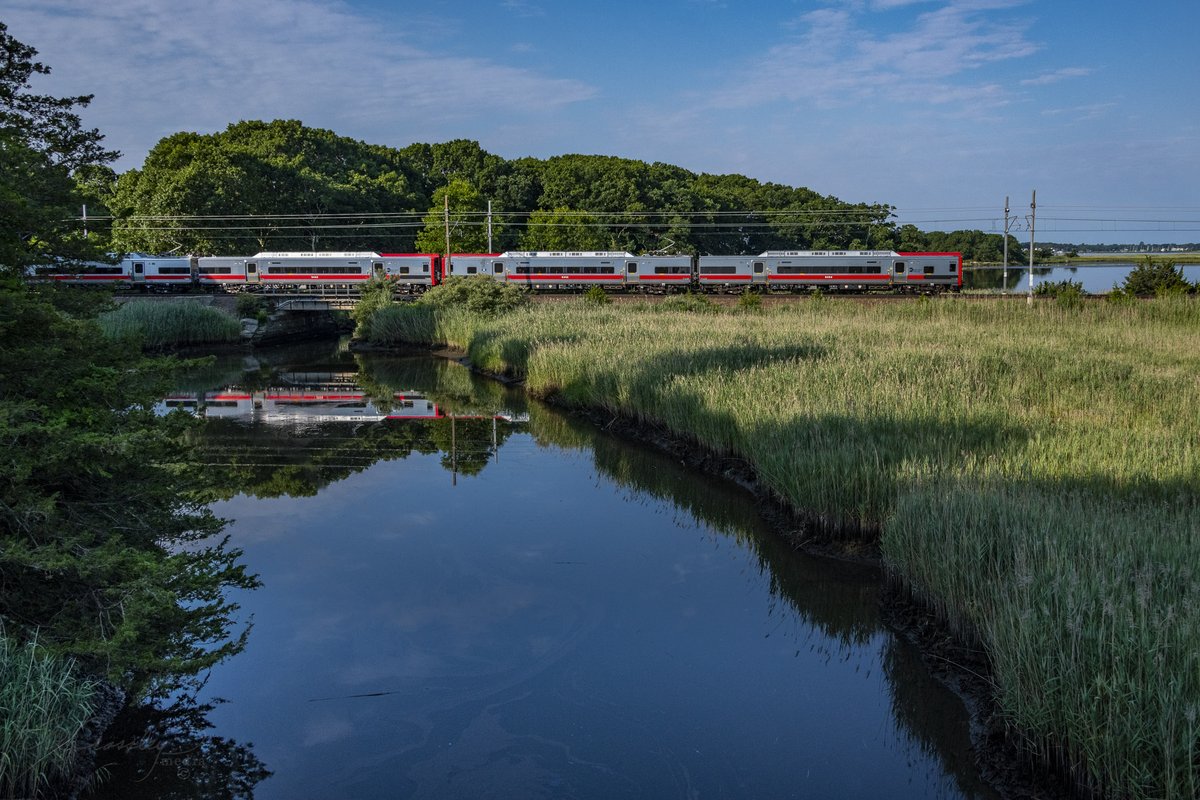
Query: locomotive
[[773, 270]]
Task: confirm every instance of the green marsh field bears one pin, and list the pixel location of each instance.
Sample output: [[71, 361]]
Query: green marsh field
[[1032, 473]]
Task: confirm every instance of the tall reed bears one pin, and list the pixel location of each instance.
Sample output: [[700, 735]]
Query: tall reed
[[43, 708], [161, 324]]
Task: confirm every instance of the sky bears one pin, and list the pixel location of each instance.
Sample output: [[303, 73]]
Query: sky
[[941, 108]]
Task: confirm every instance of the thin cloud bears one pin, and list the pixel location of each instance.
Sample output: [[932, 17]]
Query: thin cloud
[[1056, 76], [836, 59], [171, 67]]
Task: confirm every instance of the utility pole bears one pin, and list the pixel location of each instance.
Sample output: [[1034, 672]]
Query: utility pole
[[1032, 225], [1005, 289], [85, 231], [446, 215], [490, 250]]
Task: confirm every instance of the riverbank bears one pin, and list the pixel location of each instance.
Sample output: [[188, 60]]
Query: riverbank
[[1031, 487]]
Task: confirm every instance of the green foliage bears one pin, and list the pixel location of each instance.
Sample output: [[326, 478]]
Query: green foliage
[[1066, 293], [1155, 278], [43, 708], [1070, 296], [468, 221], [750, 301], [42, 143], [103, 556], [563, 230], [696, 303], [596, 296], [159, 324], [264, 168], [476, 293], [248, 305], [376, 295]]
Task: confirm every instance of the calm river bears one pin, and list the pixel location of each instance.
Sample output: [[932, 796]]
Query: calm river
[[468, 595]]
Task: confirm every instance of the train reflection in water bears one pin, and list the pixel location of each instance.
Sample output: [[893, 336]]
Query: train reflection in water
[[314, 397]]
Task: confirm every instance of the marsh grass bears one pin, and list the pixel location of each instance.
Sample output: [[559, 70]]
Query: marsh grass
[[164, 324], [43, 708], [1035, 473]]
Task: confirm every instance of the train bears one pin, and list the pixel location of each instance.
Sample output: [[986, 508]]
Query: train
[[773, 270]]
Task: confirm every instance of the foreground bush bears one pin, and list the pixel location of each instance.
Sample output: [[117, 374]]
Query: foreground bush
[[477, 293]]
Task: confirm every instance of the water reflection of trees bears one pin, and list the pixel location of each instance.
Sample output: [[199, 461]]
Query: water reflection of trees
[[841, 601], [163, 751], [277, 460]]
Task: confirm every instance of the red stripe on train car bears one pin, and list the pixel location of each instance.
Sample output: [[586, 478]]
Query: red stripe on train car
[[310, 277], [843, 278], [564, 278]]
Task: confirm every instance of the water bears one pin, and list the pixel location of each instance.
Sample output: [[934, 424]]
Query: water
[[1097, 279], [517, 605]]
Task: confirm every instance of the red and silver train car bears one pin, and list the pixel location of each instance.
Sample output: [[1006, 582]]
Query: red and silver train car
[[574, 270], [413, 271], [136, 269], [841, 270]]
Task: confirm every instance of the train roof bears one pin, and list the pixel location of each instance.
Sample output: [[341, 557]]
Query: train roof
[[769, 253], [567, 254], [316, 255]]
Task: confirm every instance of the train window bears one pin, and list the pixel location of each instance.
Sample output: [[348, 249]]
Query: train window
[[954, 267], [758, 266], [723, 269], [632, 267], [899, 267], [498, 267], [929, 269], [251, 267], [471, 270], [425, 268], [139, 268], [404, 270]]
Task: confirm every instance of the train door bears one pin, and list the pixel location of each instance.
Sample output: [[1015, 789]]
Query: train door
[[898, 273], [377, 267], [251, 272], [631, 273], [758, 272], [139, 272]]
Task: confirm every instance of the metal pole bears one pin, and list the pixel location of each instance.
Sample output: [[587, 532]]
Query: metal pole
[[1032, 225], [490, 250], [85, 230], [1004, 290], [446, 214]]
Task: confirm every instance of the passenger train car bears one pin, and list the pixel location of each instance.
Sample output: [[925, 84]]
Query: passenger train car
[[790, 270], [263, 271], [774, 270]]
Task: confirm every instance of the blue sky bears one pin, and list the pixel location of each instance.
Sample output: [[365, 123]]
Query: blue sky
[[939, 107]]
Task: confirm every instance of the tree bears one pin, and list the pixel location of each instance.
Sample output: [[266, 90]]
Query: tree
[[267, 186], [468, 221], [42, 143], [103, 555], [563, 229]]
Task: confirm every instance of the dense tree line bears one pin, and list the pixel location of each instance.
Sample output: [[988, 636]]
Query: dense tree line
[[283, 186]]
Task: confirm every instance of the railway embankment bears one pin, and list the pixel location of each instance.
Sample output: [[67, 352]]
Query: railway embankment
[[1028, 475]]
